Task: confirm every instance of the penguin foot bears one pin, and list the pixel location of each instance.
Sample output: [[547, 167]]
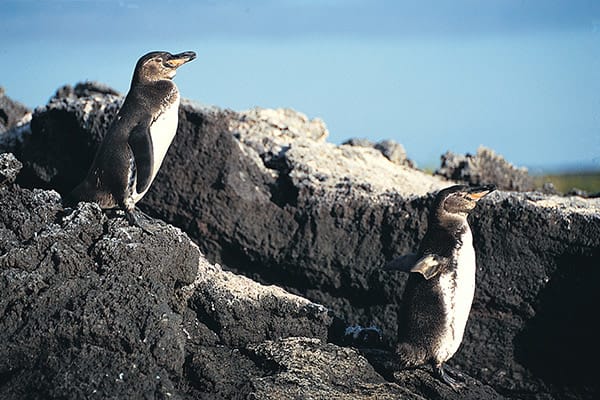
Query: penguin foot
[[133, 221], [445, 377], [454, 372]]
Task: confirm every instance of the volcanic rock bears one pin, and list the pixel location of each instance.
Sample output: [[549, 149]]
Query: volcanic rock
[[12, 113], [264, 194], [85, 89], [9, 168], [93, 307], [392, 150], [485, 167]]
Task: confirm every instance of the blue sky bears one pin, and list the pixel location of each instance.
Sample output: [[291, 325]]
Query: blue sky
[[521, 77]]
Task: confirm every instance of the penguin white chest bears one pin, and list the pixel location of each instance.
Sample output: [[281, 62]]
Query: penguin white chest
[[457, 287], [162, 132]]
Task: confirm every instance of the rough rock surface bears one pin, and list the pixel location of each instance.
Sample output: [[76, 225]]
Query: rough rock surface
[[57, 145], [307, 368], [12, 113], [85, 89], [94, 308], [264, 194], [9, 168], [392, 150], [484, 168]]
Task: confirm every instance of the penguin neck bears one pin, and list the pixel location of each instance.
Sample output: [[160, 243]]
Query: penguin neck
[[454, 224], [159, 86], [147, 93]]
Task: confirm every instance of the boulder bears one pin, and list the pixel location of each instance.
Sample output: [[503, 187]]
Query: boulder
[[12, 113], [392, 150], [303, 368], [264, 194], [484, 168], [85, 89], [9, 168], [92, 307]]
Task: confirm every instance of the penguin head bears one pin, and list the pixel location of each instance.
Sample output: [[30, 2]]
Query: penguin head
[[459, 200], [160, 65]]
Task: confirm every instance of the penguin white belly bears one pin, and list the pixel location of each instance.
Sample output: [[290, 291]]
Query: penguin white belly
[[458, 288], [162, 131]]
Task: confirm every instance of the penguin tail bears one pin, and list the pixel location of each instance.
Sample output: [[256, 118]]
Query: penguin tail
[[81, 192], [409, 355]]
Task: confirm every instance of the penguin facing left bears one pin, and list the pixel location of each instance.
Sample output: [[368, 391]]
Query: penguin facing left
[[135, 144], [440, 289]]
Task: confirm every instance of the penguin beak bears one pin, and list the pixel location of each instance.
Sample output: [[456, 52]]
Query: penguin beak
[[177, 60], [478, 192]]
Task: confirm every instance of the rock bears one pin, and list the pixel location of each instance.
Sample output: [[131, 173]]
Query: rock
[[57, 146], [392, 150], [9, 168], [360, 142], [579, 193], [486, 167], [85, 89], [12, 113], [420, 380], [264, 194], [548, 188], [304, 368], [536, 257], [93, 307], [306, 158], [88, 307], [241, 312]]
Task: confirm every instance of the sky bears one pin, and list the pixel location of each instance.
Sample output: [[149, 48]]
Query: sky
[[521, 77]]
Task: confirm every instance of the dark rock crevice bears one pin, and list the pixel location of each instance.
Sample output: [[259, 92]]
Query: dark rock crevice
[[562, 331]]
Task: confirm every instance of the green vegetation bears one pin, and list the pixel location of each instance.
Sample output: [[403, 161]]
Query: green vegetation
[[588, 181]]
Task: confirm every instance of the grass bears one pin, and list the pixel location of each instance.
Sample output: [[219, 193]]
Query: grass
[[565, 182]]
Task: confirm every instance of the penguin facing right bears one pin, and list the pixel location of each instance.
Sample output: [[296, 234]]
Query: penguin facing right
[[440, 289], [136, 143]]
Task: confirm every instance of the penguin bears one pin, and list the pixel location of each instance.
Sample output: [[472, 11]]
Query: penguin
[[136, 142], [439, 291]]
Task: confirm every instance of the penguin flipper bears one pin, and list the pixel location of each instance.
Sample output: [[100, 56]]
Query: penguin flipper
[[429, 265], [140, 143], [403, 263]]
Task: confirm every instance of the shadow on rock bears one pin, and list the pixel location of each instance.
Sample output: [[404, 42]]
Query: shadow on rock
[[559, 345]]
